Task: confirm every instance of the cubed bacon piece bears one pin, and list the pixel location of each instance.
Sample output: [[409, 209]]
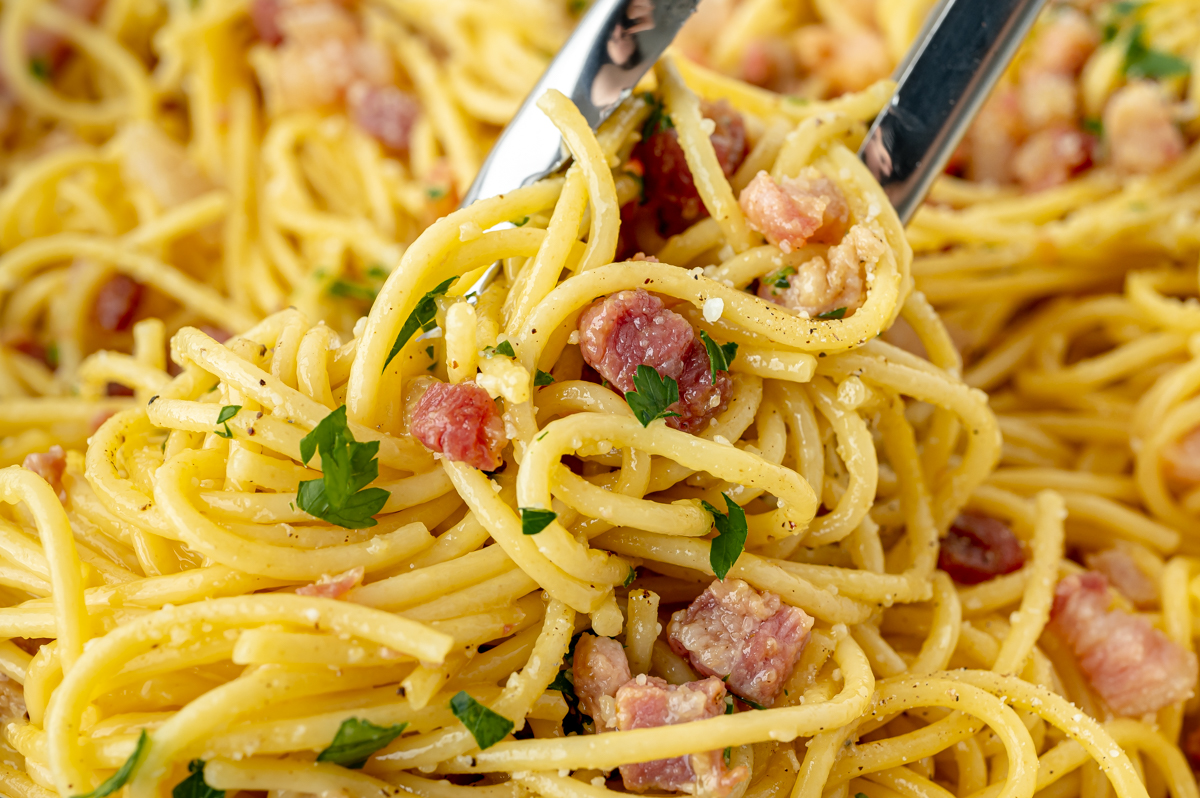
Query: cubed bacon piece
[[1047, 98], [843, 60], [1191, 748], [461, 422], [790, 214], [1123, 573], [648, 702], [1052, 156], [994, 136], [385, 113], [668, 180], [699, 397], [977, 548], [1134, 667], [600, 668], [1140, 129], [152, 159], [264, 15], [1065, 44], [116, 303], [767, 62], [750, 639], [333, 587], [50, 466], [633, 328], [1181, 460], [822, 286]]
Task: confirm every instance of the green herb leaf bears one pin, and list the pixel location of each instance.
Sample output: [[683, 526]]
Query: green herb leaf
[[227, 412], [435, 192], [534, 520], [731, 536], [194, 785], [356, 740], [860, 795], [340, 496], [836, 313], [728, 752], [542, 378], [658, 120], [779, 277], [352, 290], [520, 222], [487, 727], [503, 348], [563, 683], [429, 351], [629, 579], [421, 317], [1143, 62], [1094, 126], [719, 355], [40, 69], [377, 272], [652, 395], [52, 355], [797, 100], [118, 780]]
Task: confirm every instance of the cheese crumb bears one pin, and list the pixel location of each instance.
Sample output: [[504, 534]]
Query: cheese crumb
[[573, 338], [713, 308], [708, 126]]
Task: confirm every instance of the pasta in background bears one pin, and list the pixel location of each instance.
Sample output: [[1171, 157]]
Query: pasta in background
[[462, 546]]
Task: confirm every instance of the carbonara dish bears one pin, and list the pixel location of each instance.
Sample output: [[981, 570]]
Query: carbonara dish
[[729, 485]]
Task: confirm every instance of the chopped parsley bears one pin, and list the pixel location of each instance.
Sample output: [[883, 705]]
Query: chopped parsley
[[40, 69], [227, 412], [119, 779], [352, 290], [486, 726], [573, 722], [504, 348], [727, 546], [658, 120], [435, 192], [1142, 61], [534, 520], [422, 317], [629, 579], [377, 272], [836, 313], [341, 496], [1094, 126], [194, 785], [520, 222], [652, 395], [779, 278], [356, 740], [542, 378], [719, 355]]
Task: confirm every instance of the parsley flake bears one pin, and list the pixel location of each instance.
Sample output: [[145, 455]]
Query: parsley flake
[[119, 779], [731, 536], [377, 272], [486, 726], [719, 355], [356, 740], [340, 495], [534, 520], [194, 785], [573, 722], [421, 317], [1142, 61], [1094, 126], [349, 289], [779, 278], [504, 348], [542, 378], [40, 69], [520, 222], [227, 412], [658, 120], [652, 395], [629, 579], [435, 192], [836, 313]]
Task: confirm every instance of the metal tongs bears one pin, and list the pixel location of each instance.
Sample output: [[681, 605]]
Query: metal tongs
[[962, 51]]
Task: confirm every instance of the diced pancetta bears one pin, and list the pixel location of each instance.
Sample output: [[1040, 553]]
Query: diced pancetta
[[647, 702], [117, 302], [843, 60], [768, 62], [600, 668], [385, 112], [461, 422], [994, 136], [1124, 574], [1134, 667], [632, 328], [1181, 460], [808, 207], [333, 586], [1052, 156], [1064, 45], [750, 639], [50, 466], [1140, 129], [821, 286], [977, 548]]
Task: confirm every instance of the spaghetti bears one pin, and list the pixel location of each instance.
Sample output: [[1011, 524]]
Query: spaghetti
[[702, 495]]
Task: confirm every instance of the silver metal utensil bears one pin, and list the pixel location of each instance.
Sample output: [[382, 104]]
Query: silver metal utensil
[[613, 46], [964, 49]]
